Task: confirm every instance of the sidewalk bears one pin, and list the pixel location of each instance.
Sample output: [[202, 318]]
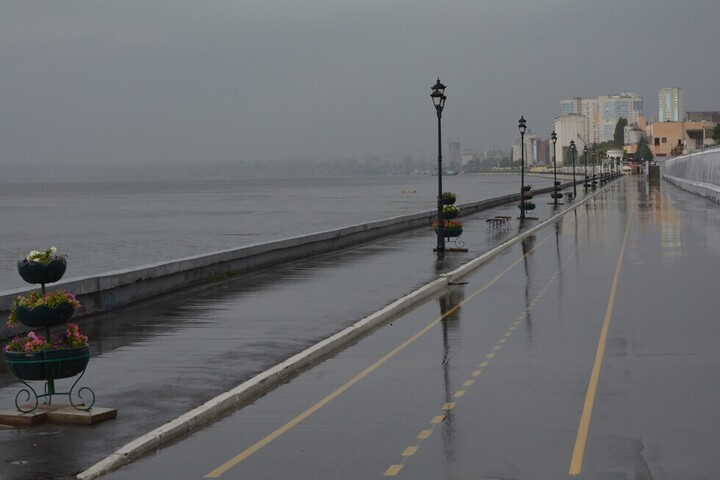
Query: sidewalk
[[157, 360]]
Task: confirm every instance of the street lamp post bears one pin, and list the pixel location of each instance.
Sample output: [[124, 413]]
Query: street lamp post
[[438, 98], [553, 136], [585, 151], [522, 127], [574, 151], [594, 182]]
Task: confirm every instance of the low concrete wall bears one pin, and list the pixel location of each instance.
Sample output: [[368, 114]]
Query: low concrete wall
[[110, 290], [698, 173]]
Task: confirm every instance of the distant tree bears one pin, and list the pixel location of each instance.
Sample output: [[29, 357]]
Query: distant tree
[[619, 135], [643, 152], [716, 133]]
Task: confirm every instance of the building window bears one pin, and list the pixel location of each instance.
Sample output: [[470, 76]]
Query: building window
[[664, 139], [657, 142]]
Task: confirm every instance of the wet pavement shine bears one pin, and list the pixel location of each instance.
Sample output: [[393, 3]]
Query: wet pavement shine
[[587, 350]]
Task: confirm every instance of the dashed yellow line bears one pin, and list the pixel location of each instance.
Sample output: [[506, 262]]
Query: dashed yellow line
[[410, 451], [425, 434], [393, 470]]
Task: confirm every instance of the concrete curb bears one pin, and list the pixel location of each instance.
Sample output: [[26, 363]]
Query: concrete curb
[[268, 379], [247, 390]]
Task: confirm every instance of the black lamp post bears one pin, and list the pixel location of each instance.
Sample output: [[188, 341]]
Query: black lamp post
[[522, 127], [573, 150], [594, 182], [585, 151], [438, 98], [553, 136]]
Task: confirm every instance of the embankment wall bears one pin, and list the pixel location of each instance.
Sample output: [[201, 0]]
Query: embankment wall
[[114, 289], [698, 173]]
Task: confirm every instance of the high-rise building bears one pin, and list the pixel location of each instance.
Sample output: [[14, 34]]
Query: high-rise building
[[455, 157], [670, 105], [568, 127], [570, 106], [614, 107], [602, 114]]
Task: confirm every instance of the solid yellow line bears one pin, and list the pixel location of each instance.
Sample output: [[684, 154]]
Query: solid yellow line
[[584, 427], [280, 431]]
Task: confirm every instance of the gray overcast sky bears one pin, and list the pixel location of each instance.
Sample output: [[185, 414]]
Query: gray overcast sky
[[128, 81]]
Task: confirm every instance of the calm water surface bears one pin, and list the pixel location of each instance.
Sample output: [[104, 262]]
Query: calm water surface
[[108, 225]]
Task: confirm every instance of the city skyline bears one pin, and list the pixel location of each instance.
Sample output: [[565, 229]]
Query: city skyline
[[177, 82]]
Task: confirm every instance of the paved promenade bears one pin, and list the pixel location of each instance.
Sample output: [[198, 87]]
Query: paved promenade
[[158, 360]]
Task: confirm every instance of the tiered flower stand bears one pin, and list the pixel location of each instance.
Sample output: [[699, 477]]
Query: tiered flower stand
[[48, 365]]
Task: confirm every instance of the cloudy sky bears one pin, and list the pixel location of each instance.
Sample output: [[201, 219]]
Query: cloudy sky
[[135, 81]]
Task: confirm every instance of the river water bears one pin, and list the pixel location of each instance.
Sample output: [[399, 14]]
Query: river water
[[105, 225]]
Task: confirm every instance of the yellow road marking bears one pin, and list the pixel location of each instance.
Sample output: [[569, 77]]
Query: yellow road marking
[[483, 364], [468, 383], [342, 389], [425, 434], [476, 373], [584, 427], [410, 451], [437, 419], [490, 355], [449, 406], [393, 470], [459, 393]]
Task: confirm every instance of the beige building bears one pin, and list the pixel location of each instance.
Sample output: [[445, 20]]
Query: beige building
[[568, 127], [668, 139]]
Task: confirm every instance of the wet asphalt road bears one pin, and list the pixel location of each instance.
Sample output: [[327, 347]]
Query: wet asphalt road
[[589, 350]]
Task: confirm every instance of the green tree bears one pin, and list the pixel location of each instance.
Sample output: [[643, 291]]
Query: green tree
[[643, 152], [619, 135], [716, 133]]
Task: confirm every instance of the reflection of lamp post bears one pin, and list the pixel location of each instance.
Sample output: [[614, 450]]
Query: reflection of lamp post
[[585, 151], [553, 136], [438, 99], [522, 127], [573, 150]]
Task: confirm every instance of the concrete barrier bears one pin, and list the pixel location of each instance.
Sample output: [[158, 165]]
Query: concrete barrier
[[698, 173], [114, 289]]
